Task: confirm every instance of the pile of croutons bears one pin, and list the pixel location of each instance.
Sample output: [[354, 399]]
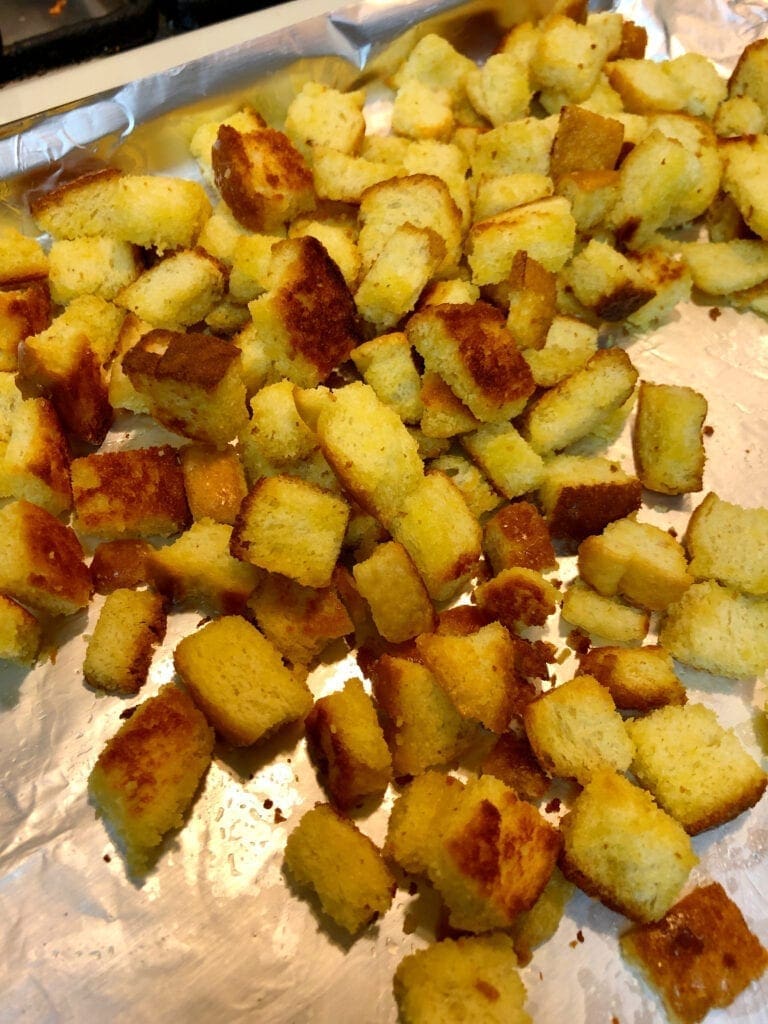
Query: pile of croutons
[[389, 367]]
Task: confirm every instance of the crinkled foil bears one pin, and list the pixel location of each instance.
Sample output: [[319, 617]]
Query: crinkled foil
[[216, 932]]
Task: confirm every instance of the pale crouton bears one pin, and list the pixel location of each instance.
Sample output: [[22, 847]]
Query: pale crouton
[[669, 278], [146, 776], [132, 493], [580, 495], [719, 630], [591, 194], [545, 230], [436, 63], [699, 140], [748, 77], [506, 458], [289, 526], [178, 291], [214, 482], [720, 268], [24, 311], [478, 493], [575, 730], [421, 112], [517, 535], [517, 147], [328, 853], [93, 265], [238, 679], [567, 60], [347, 745], [321, 116], [41, 560], [500, 89], [502, 192], [606, 617], [568, 347], [417, 817], [729, 543], [512, 760], [738, 115], [147, 210], [395, 592], [21, 634], [251, 265], [444, 415], [620, 847], [34, 463], [638, 678], [696, 770], [22, 259], [667, 438], [338, 242], [744, 164], [346, 178], [246, 119], [386, 364], [646, 85], [130, 625]]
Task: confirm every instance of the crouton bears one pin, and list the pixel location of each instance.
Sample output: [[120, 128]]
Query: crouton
[[22, 259], [720, 268], [591, 194], [518, 597], [92, 265], [580, 495], [417, 818], [748, 76], [444, 415], [130, 625], [729, 543], [421, 112], [568, 347], [386, 364], [567, 60], [531, 300], [434, 62], [667, 439], [146, 776], [638, 678], [744, 163], [345, 178], [321, 116], [395, 592], [121, 563], [24, 311], [500, 89], [585, 141], [21, 634], [34, 464], [476, 489], [214, 482], [606, 617], [178, 291], [544, 229], [607, 282]]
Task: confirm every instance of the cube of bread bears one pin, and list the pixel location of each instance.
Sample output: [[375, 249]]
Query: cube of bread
[[518, 597], [348, 747], [41, 560], [22, 259], [244, 119], [305, 325], [261, 176], [533, 927], [738, 115], [421, 112], [251, 263], [292, 527], [214, 482], [670, 280], [395, 593], [145, 778], [646, 85], [91, 265], [478, 673], [700, 143], [568, 59], [592, 195], [121, 563], [606, 617], [577, 405], [580, 495], [717, 629], [518, 535], [417, 817], [575, 730], [239, 681], [421, 725], [700, 956], [24, 311], [517, 147], [531, 300], [620, 847], [34, 464], [500, 90], [328, 853], [193, 383], [479, 970], [177, 291], [638, 678], [130, 625], [511, 759], [21, 634], [667, 438], [720, 268], [145, 209], [568, 346], [585, 141], [300, 621], [697, 770], [135, 493], [471, 349], [748, 76], [506, 458], [640, 561], [345, 178], [729, 543], [545, 230], [339, 241], [497, 194], [444, 415], [120, 389], [605, 281], [386, 364], [321, 116]]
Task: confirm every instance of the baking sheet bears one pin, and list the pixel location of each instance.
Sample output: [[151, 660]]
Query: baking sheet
[[216, 933]]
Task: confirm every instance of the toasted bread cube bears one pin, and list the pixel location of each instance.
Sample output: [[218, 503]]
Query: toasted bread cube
[[700, 143], [591, 194], [24, 311], [179, 290], [638, 678], [386, 363], [300, 621], [748, 77], [696, 770], [91, 265], [605, 281], [436, 63], [327, 852], [22, 259], [738, 115], [21, 634], [238, 679], [577, 405], [440, 534], [518, 597], [421, 112], [276, 435], [500, 89], [480, 971], [306, 324], [346, 178], [34, 464], [120, 390], [700, 956], [517, 535], [478, 493], [393, 283], [471, 349], [444, 415], [568, 59], [606, 617], [620, 847], [337, 241], [512, 760], [501, 193], [130, 625], [667, 438], [670, 280], [531, 292], [729, 543], [575, 730], [395, 592], [640, 561], [421, 725], [261, 176], [41, 560], [703, 88], [321, 116], [517, 147], [251, 265], [580, 495], [545, 230], [478, 673], [533, 927], [145, 209], [121, 563], [585, 141], [719, 630], [568, 347], [146, 776], [646, 85], [348, 746], [138, 492], [214, 482], [720, 268], [417, 818], [292, 527]]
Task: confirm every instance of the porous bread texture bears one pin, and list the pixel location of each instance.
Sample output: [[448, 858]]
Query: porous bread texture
[[475, 487], [238, 679], [321, 116], [696, 770], [21, 634], [638, 678], [145, 778], [386, 364], [729, 543], [91, 265], [421, 807], [575, 730], [518, 597], [474, 977], [22, 258], [545, 229], [399, 602], [620, 847], [121, 563], [328, 853], [511, 759], [348, 745], [24, 311], [214, 482], [130, 625], [580, 495], [506, 458], [667, 438], [606, 617], [518, 535], [34, 460], [178, 291]]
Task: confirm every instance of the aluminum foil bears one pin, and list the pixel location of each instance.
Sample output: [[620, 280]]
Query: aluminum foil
[[216, 932]]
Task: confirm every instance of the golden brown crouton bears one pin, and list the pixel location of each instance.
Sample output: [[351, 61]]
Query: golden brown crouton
[[386, 363], [34, 463], [580, 495], [748, 76], [21, 634], [667, 438], [606, 617], [585, 141], [729, 543], [121, 563], [214, 481], [506, 458], [395, 592], [22, 259], [638, 678], [24, 311], [517, 535], [177, 291], [443, 415], [518, 597], [130, 625], [545, 230], [512, 760], [531, 301], [91, 265]]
